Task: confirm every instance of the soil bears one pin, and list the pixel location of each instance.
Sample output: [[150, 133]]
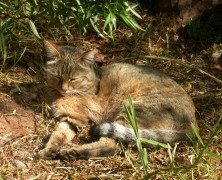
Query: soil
[[15, 121]]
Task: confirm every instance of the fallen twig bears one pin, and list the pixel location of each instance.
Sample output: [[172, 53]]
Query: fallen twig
[[161, 58], [210, 76]]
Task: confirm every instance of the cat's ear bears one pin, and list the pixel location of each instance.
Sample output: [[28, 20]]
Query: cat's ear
[[52, 49], [89, 57]]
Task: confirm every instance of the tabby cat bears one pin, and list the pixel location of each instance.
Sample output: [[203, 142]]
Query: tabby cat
[[164, 110]]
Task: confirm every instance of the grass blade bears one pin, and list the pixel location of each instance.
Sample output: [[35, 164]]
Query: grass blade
[[155, 143], [196, 132], [3, 48], [214, 155], [34, 30]]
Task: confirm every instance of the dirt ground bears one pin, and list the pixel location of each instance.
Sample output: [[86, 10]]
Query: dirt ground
[[25, 122]]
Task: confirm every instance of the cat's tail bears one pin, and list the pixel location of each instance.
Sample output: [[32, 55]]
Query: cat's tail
[[120, 132]]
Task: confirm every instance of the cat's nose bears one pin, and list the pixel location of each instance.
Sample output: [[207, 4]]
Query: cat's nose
[[65, 87]]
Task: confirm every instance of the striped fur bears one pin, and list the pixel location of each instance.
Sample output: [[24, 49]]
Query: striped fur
[[163, 109], [120, 132]]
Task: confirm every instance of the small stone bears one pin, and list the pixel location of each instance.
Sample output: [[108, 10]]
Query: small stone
[[20, 165]]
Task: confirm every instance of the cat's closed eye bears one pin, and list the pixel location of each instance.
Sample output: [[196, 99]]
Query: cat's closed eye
[[57, 78], [75, 79]]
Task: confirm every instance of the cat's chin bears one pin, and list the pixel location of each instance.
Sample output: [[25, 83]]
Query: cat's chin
[[63, 93], [69, 93]]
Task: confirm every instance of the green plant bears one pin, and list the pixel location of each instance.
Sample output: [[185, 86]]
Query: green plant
[[198, 153], [131, 118], [21, 19]]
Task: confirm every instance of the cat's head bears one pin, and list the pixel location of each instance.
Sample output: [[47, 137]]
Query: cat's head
[[69, 69]]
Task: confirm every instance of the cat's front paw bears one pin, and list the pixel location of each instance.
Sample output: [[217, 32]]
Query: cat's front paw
[[69, 154], [47, 155], [42, 154]]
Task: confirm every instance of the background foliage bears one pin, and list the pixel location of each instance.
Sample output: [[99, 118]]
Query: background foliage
[[20, 19]]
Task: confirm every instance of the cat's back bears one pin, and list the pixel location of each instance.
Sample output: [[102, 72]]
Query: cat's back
[[122, 71], [124, 76], [154, 94]]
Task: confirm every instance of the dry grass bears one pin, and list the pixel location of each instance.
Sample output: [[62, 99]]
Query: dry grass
[[18, 157]]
